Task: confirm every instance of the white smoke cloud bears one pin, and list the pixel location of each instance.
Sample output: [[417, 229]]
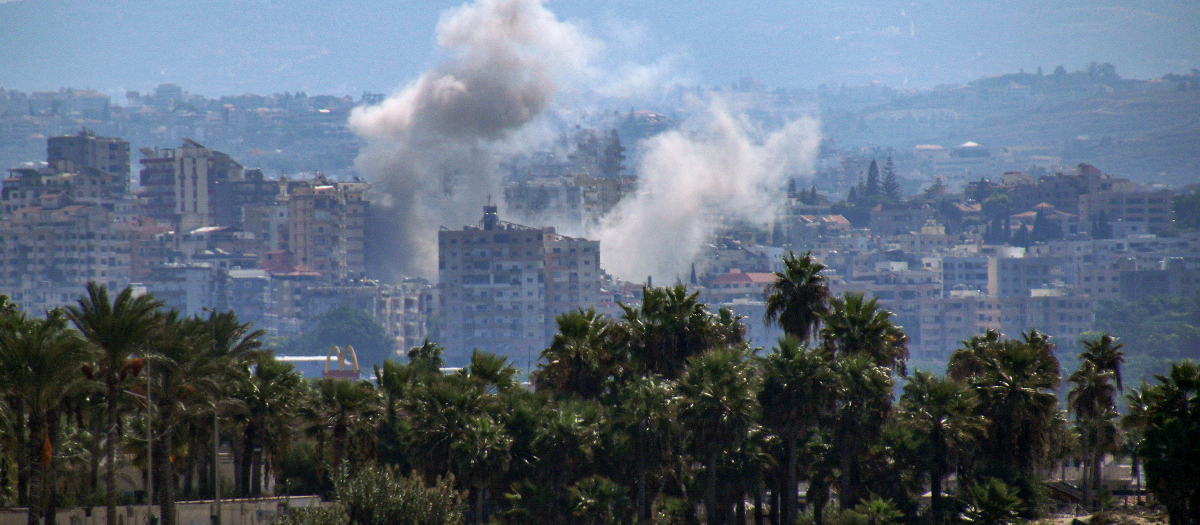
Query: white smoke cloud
[[428, 144], [432, 147], [722, 166]]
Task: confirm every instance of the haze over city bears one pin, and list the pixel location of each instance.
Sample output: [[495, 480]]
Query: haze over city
[[523, 262], [224, 47]]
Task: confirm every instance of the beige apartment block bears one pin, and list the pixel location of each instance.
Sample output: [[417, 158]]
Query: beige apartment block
[[49, 253]]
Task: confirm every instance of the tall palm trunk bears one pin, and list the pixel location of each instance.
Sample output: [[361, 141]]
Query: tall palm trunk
[[818, 496], [247, 460], [937, 473], [340, 429], [935, 495], [711, 507], [23, 464], [789, 483], [189, 473], [479, 503], [50, 469], [165, 475], [96, 425], [33, 452], [776, 505], [110, 452], [256, 471], [643, 509], [758, 506]]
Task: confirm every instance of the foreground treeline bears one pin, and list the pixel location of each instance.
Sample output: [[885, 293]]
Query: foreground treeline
[[664, 415]]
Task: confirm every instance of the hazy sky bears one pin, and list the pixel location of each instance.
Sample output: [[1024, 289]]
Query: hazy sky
[[215, 47]]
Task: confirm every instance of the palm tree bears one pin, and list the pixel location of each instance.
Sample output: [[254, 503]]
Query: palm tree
[[566, 439], [117, 328], [992, 502], [864, 404], [397, 380], [857, 326], [42, 362], [719, 409], [1015, 386], [437, 410], [646, 412], [346, 409], [238, 346], [493, 372], [1134, 424], [1170, 449], [1093, 401], [671, 326], [186, 374], [454, 426], [481, 455], [798, 393], [270, 393], [967, 361], [799, 297], [579, 360], [1105, 353], [941, 412], [233, 339]]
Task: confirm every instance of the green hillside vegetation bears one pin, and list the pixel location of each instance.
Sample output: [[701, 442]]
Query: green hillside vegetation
[[663, 415], [1165, 329]]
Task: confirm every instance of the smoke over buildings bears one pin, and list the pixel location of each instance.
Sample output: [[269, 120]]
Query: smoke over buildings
[[430, 147], [428, 144], [720, 167]]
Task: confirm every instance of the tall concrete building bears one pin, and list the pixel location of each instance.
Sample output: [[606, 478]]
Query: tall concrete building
[[326, 222], [501, 285], [179, 185], [72, 153], [49, 251]]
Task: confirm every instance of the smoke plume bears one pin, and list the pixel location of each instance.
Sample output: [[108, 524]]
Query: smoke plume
[[428, 145], [720, 167]]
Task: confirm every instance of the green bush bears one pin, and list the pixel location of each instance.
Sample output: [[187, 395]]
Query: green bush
[[376, 496], [992, 502]]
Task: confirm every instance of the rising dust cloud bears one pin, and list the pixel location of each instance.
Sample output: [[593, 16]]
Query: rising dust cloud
[[690, 176], [427, 144], [429, 148]]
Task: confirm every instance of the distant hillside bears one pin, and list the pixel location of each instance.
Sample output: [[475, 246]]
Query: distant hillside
[[1145, 130]]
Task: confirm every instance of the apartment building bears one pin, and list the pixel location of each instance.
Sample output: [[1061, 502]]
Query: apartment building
[[108, 155], [326, 226], [1154, 209], [969, 272], [1055, 312], [501, 285], [944, 322], [179, 186], [1016, 276], [48, 253]]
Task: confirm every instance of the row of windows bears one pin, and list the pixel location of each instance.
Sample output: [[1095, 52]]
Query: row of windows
[[500, 238]]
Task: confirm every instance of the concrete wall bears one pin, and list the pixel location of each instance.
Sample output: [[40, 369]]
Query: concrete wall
[[233, 512]]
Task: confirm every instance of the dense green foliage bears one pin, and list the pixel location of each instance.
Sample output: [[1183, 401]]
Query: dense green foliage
[[1170, 443], [663, 415], [343, 326], [1165, 329]]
